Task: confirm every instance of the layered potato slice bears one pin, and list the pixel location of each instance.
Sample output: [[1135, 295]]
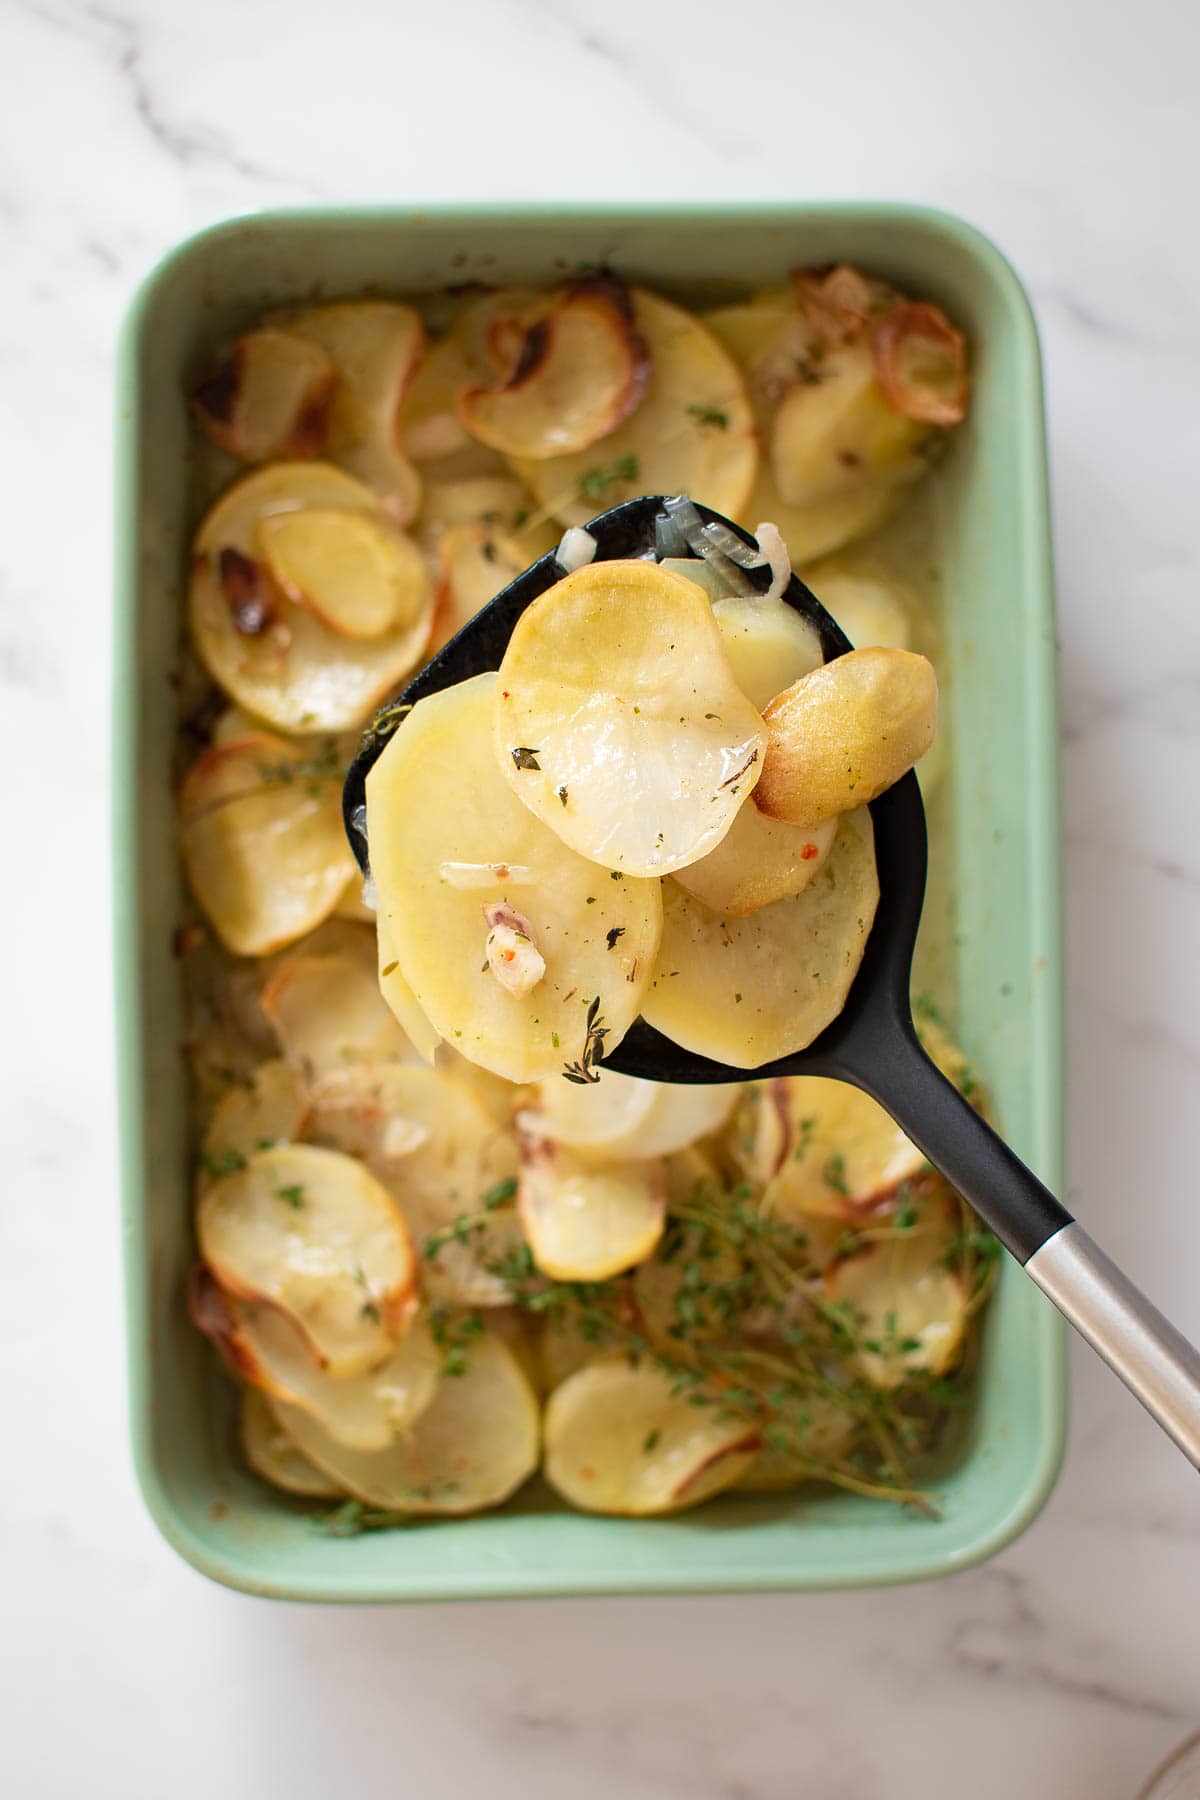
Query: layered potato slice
[[269, 396], [475, 350], [588, 1222], [498, 502], [435, 1146], [263, 1345], [747, 990], [620, 1440], [312, 1232], [273, 1456], [757, 862], [327, 1012], [269, 1109], [474, 1445], [618, 721], [263, 843], [579, 366], [474, 563], [437, 798], [842, 1153], [400, 997], [693, 431], [376, 348], [623, 1118], [292, 661], [820, 1430], [906, 1297], [768, 643], [828, 430]]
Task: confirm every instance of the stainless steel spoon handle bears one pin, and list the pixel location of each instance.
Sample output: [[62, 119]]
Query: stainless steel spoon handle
[[1156, 1362]]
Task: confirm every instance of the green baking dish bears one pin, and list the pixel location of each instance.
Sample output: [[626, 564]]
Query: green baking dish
[[999, 851]]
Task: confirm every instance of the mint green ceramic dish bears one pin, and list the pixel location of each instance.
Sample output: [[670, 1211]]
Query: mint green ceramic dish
[[1001, 852]]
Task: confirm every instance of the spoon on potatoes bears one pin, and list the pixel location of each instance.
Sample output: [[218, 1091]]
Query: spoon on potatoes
[[872, 1043]]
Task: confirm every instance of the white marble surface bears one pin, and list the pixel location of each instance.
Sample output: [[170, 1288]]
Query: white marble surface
[[1068, 130]]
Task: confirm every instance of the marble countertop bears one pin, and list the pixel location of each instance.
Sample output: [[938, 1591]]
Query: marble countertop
[[1068, 131]]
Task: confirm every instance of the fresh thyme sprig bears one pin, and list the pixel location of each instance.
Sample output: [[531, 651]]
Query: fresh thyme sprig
[[585, 1069]]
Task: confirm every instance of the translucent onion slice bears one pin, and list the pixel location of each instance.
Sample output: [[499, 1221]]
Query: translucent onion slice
[[472, 1447], [693, 430], [360, 576], [273, 1456], [437, 795], [578, 369], [705, 574], [619, 1440], [768, 644], [745, 991], [921, 364], [269, 1110], [621, 1117], [266, 1347], [315, 1234], [474, 563], [585, 1223], [276, 658], [618, 722], [328, 1012], [907, 1300], [376, 347], [268, 397], [263, 844], [759, 861]]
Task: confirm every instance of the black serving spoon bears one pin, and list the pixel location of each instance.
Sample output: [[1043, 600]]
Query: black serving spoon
[[872, 1042]]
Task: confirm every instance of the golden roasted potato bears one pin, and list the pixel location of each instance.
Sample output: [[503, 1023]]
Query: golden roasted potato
[[269, 396], [585, 1222]]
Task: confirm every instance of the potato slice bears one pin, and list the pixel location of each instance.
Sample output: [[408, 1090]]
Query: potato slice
[[622, 1118], [843, 1151], [431, 430], [263, 844], [921, 364], [619, 1440], [870, 609], [360, 576], [907, 1300], [843, 734], [312, 1232], [273, 1456], [693, 431], [376, 347], [495, 501], [270, 1110], [472, 1447], [823, 1431], [270, 396], [275, 658], [669, 1312], [435, 1146], [436, 795], [618, 722], [474, 563], [585, 1223], [267, 1348], [400, 997], [768, 643], [746, 991], [831, 433], [327, 1012], [579, 368], [759, 861], [820, 526]]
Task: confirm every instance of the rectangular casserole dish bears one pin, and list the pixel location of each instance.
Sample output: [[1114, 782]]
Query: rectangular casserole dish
[[999, 854]]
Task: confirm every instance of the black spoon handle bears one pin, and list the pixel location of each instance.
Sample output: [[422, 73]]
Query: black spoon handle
[[1154, 1360]]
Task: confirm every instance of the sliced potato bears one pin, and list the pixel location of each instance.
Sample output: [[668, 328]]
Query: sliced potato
[[430, 427], [908, 1303], [472, 1447], [869, 608], [693, 431], [619, 1440], [263, 844], [273, 1456], [843, 734], [830, 433], [821, 1430], [746, 991], [268, 1349], [376, 347], [817, 527], [622, 1118], [360, 576], [327, 1012], [757, 862], [843, 1150], [270, 396], [474, 564], [496, 501], [400, 997], [618, 722], [578, 369], [669, 1311], [563, 1349], [921, 364], [442, 1154], [437, 795], [768, 643], [585, 1223], [312, 1232], [270, 1110], [276, 658]]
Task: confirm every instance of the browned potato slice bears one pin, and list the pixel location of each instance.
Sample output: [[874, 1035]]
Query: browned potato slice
[[692, 432], [841, 735], [269, 396], [474, 563], [906, 1299], [588, 1223], [270, 1110], [620, 1440], [745, 991], [921, 364], [275, 658], [376, 347], [360, 576], [263, 843], [759, 861], [579, 368], [328, 1013], [273, 1456], [313, 1233], [431, 430], [618, 721], [437, 796], [472, 1447]]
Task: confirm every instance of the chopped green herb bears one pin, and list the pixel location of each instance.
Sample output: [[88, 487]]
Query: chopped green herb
[[525, 758], [710, 415], [293, 1194]]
